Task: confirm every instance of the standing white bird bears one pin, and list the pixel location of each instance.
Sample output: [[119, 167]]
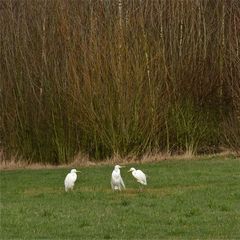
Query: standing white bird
[[70, 180], [116, 181], [139, 175]]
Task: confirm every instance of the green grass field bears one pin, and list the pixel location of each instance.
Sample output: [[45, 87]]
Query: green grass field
[[184, 199]]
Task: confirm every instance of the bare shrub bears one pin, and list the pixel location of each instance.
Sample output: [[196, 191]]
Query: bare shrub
[[100, 77]]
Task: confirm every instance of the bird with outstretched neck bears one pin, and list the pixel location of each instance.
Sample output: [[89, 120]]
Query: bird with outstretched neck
[[139, 176]]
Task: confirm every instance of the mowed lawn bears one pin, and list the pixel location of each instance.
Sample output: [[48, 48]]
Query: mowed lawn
[[184, 199]]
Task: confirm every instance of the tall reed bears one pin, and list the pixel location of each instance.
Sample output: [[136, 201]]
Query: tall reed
[[117, 77]]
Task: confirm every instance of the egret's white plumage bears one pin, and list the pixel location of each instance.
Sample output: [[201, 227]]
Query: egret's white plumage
[[116, 180], [139, 175], [70, 180]]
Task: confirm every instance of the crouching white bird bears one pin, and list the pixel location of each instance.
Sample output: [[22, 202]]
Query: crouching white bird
[[70, 180], [116, 181], [139, 175]]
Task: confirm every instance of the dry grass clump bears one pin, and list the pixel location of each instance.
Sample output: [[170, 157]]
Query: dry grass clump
[[84, 161]]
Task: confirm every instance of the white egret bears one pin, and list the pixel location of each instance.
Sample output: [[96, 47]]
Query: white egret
[[70, 180], [116, 181], [139, 175]]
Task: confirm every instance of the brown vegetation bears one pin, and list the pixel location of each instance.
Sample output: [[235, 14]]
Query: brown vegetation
[[118, 77]]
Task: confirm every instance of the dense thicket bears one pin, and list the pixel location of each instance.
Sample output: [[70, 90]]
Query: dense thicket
[[118, 77]]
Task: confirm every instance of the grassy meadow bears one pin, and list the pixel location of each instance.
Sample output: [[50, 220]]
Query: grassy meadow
[[184, 199], [87, 81]]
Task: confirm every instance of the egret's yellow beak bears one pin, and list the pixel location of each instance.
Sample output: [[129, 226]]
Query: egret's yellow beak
[[122, 166], [129, 170]]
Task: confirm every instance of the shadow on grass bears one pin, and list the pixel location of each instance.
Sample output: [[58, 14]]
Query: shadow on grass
[[130, 192]]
